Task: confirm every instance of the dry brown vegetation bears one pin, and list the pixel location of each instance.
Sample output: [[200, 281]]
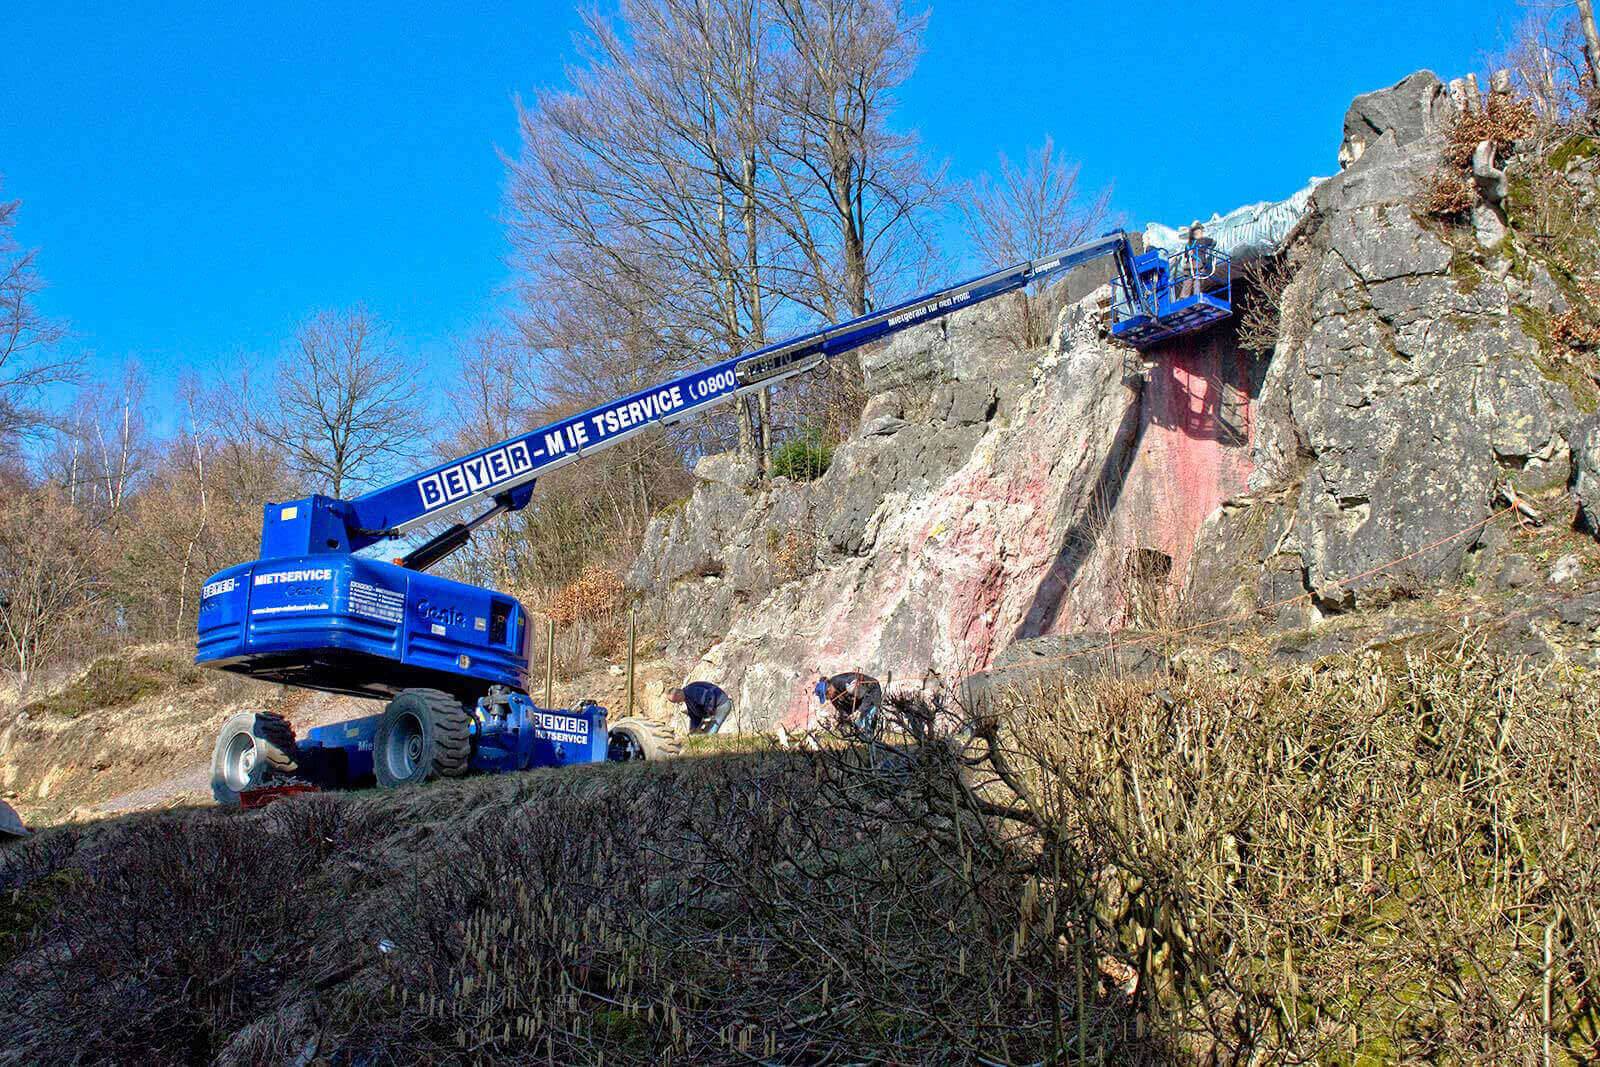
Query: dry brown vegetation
[[1502, 121], [1447, 195], [1384, 857]]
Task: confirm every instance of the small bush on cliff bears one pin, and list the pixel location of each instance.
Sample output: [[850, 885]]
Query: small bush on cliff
[[1502, 122], [802, 458], [1447, 195]]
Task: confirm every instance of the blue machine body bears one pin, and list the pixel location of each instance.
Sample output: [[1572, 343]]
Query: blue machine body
[[346, 624], [315, 611], [510, 734]]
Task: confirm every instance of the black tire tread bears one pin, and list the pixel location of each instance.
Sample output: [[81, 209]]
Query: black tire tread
[[452, 738], [280, 750], [659, 742], [275, 743]]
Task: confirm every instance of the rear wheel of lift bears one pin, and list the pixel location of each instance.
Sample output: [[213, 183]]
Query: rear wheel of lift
[[640, 739], [252, 747], [424, 734]]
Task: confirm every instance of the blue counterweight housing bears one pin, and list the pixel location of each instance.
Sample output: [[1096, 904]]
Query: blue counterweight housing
[[346, 624]]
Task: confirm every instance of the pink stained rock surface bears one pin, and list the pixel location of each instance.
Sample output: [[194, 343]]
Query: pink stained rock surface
[[1002, 508]]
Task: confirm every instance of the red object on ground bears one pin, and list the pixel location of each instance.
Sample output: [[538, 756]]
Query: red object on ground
[[260, 798]]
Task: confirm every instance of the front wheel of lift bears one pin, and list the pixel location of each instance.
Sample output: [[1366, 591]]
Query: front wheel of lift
[[425, 734], [640, 739], [252, 747]]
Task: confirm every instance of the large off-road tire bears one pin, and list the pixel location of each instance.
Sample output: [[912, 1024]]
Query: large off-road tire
[[425, 734], [252, 747], [640, 739]]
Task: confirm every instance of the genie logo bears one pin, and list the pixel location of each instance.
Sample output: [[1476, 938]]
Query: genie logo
[[441, 614]]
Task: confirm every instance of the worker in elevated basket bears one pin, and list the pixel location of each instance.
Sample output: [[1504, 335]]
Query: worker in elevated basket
[[855, 699], [706, 705], [1196, 262]]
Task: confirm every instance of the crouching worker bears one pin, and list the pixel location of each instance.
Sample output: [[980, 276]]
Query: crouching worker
[[855, 699], [706, 705]]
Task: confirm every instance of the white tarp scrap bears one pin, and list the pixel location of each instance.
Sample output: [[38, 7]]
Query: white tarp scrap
[[1252, 230]]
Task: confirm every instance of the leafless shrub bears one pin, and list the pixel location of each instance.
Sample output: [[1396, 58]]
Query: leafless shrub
[[1447, 195], [1260, 302], [1027, 212], [1378, 853], [1251, 856]]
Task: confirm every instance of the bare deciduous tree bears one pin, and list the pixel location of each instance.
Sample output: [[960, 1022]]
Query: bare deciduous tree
[[840, 169], [345, 403], [49, 580], [719, 170], [635, 192], [29, 341], [102, 447], [197, 510], [1548, 60], [1031, 211]]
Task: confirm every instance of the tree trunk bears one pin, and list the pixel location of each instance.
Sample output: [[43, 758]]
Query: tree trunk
[[1591, 38], [758, 315]]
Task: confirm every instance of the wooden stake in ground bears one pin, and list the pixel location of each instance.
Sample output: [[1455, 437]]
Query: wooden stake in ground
[[549, 661], [633, 643]]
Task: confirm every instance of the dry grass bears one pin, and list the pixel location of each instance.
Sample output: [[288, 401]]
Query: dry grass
[[133, 722], [119, 680], [1389, 858]]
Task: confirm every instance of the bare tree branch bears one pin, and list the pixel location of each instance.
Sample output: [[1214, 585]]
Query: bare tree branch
[[30, 358], [346, 403]]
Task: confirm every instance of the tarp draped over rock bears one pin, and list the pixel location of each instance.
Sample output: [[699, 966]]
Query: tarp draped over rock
[[1252, 230]]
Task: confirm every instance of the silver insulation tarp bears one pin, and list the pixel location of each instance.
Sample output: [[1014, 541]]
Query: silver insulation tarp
[[1252, 230]]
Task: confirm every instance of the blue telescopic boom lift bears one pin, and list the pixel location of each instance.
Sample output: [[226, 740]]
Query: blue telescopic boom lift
[[452, 658]]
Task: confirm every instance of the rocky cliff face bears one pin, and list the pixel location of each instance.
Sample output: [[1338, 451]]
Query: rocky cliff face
[[978, 505], [1411, 384], [994, 496]]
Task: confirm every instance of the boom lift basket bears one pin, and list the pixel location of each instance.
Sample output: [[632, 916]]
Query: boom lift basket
[[1170, 295]]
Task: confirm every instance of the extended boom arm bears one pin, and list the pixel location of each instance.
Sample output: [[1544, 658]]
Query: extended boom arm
[[504, 473], [310, 612]]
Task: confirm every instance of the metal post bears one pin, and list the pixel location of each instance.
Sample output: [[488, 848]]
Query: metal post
[[633, 641], [549, 661]]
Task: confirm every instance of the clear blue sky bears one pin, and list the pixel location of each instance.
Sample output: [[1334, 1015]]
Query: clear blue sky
[[200, 177]]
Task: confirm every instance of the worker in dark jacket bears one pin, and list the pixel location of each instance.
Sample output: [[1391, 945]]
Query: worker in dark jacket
[[1196, 262], [706, 705], [855, 699]]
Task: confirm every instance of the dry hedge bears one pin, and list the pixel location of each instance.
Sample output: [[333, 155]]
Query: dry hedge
[[1390, 858]]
